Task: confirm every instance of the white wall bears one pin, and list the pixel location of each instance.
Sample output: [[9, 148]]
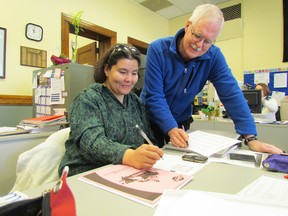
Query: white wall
[[126, 17]]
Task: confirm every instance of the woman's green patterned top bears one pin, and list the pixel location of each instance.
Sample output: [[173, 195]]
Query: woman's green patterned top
[[102, 129]]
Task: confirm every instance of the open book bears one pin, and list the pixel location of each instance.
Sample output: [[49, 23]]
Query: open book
[[207, 144], [143, 186]]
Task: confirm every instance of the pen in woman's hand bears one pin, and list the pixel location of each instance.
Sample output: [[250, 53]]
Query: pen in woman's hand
[[144, 136]]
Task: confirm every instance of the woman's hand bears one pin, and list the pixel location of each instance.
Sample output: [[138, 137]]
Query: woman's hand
[[144, 157]]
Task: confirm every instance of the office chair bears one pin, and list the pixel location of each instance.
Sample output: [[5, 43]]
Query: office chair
[[278, 114], [39, 165]]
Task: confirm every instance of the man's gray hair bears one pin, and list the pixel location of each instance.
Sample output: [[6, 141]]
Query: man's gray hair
[[208, 12]]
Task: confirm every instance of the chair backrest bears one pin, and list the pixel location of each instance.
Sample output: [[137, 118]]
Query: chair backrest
[[39, 165], [278, 114]]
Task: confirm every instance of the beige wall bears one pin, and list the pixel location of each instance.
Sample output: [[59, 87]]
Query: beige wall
[[126, 17], [258, 45]]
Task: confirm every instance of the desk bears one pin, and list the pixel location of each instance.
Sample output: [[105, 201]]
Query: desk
[[10, 149], [270, 133], [215, 177]]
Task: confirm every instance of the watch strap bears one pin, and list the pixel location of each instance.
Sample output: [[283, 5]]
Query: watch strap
[[249, 139]]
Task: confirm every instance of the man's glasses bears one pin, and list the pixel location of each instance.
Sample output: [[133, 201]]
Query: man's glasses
[[198, 37], [126, 49]]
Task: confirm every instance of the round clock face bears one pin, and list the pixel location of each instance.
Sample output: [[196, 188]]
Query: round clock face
[[34, 32]]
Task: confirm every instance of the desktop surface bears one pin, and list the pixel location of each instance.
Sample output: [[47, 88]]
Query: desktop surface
[[214, 177]]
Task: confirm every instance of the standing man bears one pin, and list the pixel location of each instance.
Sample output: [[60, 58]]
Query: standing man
[[177, 69]]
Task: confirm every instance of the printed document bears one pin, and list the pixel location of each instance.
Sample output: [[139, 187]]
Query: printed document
[[206, 144], [268, 189], [174, 163]]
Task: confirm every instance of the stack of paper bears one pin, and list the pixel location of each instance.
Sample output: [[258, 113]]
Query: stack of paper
[[44, 120], [207, 144], [6, 131], [43, 123]]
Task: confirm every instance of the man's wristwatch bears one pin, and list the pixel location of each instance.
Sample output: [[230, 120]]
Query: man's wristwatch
[[249, 139]]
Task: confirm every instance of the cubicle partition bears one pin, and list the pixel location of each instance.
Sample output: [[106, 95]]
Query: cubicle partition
[[284, 111]]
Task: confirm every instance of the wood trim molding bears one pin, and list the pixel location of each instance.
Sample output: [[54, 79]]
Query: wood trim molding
[[105, 37], [140, 45], [16, 100]]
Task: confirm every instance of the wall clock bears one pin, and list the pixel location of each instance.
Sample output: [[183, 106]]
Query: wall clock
[[34, 32]]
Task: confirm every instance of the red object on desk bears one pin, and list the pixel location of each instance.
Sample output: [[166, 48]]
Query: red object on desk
[[286, 176]]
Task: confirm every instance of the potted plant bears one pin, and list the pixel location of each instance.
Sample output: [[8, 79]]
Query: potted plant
[[211, 112], [76, 20]]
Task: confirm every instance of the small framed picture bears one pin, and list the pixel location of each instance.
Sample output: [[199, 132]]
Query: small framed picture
[[2, 52]]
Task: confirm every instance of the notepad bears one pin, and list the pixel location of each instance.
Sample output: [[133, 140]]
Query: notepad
[[207, 144]]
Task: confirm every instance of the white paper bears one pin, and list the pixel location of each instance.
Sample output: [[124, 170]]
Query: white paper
[[168, 201], [7, 129], [57, 74], [175, 163], [34, 82], [266, 188], [280, 80], [48, 73], [208, 144], [278, 96], [209, 204], [261, 77], [57, 86]]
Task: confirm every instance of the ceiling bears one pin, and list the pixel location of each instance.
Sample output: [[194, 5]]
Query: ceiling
[[173, 8]]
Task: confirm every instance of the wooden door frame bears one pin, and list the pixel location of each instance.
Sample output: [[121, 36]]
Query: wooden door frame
[[105, 37], [91, 49], [140, 45]]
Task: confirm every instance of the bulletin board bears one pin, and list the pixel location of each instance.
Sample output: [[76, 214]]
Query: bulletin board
[[276, 78]]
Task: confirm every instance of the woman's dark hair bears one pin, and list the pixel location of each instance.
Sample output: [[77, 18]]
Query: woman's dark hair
[[265, 88], [112, 56]]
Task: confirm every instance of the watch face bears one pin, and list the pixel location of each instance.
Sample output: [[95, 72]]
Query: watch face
[[34, 32]]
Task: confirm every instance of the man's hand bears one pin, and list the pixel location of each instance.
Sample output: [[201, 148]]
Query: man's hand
[[144, 157], [178, 137], [258, 146]]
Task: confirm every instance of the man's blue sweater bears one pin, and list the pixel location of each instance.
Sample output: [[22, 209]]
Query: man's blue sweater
[[171, 85]]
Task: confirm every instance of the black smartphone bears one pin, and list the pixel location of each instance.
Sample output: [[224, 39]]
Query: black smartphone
[[194, 158]]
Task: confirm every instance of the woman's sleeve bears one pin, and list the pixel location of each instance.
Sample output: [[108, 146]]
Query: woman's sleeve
[[88, 131], [271, 104]]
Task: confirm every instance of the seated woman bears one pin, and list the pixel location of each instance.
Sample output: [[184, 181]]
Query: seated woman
[[103, 118], [269, 105]]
